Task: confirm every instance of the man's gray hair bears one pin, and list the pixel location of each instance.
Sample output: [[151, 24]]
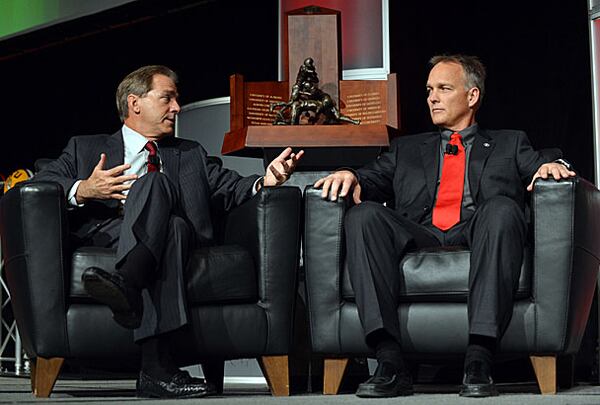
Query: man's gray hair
[[472, 66], [139, 83]]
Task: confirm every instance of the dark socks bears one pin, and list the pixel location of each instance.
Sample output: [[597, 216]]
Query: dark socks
[[387, 349], [138, 267], [157, 361], [481, 348]]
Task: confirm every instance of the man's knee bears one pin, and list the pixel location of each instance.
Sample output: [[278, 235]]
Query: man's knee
[[152, 185], [367, 213], [151, 178], [178, 226], [500, 212]]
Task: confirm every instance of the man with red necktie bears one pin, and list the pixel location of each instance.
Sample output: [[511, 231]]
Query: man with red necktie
[[460, 185]]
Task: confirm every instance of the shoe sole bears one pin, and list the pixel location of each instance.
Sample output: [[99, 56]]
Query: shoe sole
[[478, 391], [105, 291], [156, 396], [372, 392]]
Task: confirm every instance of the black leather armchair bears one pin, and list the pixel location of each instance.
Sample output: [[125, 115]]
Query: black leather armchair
[[555, 292], [240, 295]]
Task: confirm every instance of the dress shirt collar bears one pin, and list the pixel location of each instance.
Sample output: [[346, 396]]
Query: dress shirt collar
[[468, 134], [133, 140]]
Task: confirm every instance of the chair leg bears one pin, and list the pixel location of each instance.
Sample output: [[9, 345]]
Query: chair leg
[[214, 370], [32, 375], [276, 372], [545, 372], [44, 375], [333, 372]]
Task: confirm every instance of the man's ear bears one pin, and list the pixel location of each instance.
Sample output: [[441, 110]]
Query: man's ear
[[473, 96], [133, 103]]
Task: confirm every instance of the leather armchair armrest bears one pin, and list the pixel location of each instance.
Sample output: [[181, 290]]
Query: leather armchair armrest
[[268, 225], [566, 228], [33, 228], [323, 261]]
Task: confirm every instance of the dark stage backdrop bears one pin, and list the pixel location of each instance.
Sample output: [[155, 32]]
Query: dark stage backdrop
[[60, 81], [537, 54]]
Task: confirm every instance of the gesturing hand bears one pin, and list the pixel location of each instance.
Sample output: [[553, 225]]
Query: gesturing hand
[[280, 169], [331, 185], [105, 184]]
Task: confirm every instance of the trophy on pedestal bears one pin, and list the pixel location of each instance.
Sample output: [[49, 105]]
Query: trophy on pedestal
[[313, 109]]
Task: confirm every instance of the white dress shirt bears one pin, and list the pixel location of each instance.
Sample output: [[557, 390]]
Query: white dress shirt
[[135, 154]]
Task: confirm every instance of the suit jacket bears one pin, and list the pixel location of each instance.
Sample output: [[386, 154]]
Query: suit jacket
[[501, 162], [202, 183]]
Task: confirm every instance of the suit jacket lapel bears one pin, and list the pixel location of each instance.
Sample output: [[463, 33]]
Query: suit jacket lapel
[[115, 151], [170, 155], [115, 156], [430, 154], [482, 147]]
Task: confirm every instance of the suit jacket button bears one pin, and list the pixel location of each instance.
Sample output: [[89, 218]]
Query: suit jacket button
[[425, 208]]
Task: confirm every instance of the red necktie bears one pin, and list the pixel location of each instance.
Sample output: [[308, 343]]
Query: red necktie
[[446, 212], [153, 160]]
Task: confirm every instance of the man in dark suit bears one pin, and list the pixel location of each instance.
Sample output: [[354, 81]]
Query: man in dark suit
[[460, 185], [149, 194]]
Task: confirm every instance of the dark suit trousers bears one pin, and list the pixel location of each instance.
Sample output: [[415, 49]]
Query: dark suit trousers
[[377, 239], [150, 216]]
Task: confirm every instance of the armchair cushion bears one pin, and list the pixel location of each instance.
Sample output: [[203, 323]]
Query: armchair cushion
[[440, 274], [83, 258], [221, 274], [216, 274]]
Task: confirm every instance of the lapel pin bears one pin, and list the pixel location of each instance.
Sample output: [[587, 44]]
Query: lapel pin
[[485, 144]]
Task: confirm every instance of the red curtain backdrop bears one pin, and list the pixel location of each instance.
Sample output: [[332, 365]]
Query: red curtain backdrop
[[362, 45]]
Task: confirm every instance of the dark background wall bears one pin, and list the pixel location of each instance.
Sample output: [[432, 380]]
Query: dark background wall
[[67, 88], [537, 55], [60, 81]]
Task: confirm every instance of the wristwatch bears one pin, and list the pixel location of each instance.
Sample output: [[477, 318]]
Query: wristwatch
[[564, 163]]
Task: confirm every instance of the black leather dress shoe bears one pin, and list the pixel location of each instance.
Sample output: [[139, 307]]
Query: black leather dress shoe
[[477, 381], [181, 385], [386, 382], [193, 380], [112, 290]]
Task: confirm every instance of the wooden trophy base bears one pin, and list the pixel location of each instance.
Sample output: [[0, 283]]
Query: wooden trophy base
[[354, 145]]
